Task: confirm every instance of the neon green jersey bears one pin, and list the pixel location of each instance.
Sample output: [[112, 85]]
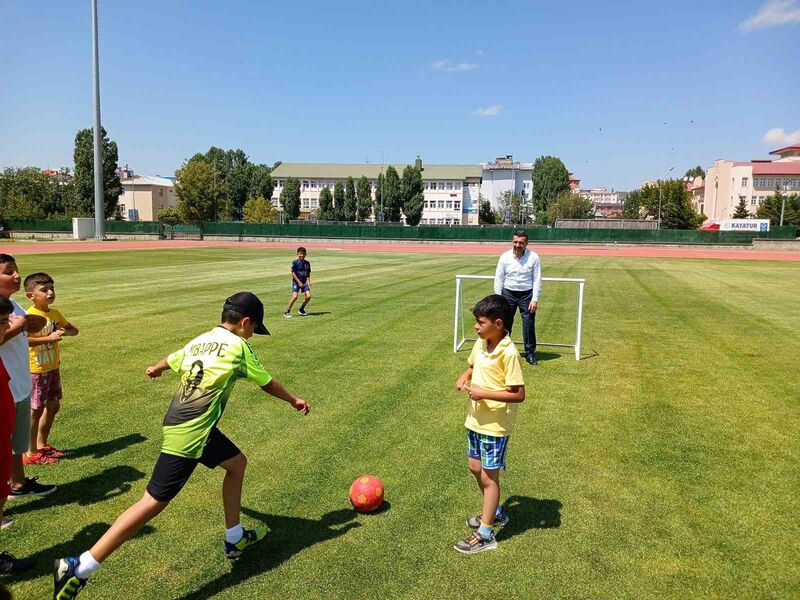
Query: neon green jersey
[[209, 365]]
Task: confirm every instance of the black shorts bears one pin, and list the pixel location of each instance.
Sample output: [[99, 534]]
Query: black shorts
[[172, 472]]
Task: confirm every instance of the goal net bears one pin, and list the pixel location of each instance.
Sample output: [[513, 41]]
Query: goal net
[[558, 318]]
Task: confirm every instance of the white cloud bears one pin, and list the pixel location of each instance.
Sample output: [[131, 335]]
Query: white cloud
[[480, 52], [489, 111], [781, 137], [446, 65], [773, 14]]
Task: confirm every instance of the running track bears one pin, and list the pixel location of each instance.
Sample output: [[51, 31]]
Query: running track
[[545, 250]]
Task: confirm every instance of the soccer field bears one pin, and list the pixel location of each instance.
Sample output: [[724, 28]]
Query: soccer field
[[662, 465]]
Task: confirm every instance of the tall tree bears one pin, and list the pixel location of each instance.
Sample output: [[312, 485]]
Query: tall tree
[[570, 206], [485, 213], [290, 199], [677, 210], [235, 168], [392, 199], [413, 194], [326, 211], [697, 171], [202, 195], [261, 184], [350, 205], [741, 211], [363, 199], [259, 210], [379, 185], [338, 201], [84, 170], [549, 179]]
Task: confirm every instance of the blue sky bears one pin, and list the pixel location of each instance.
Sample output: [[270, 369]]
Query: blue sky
[[620, 91]]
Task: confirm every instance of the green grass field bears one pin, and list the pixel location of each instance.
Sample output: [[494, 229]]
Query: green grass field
[[663, 465]]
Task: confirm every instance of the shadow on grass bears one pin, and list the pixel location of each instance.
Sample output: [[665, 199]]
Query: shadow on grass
[[105, 485], [82, 541], [545, 356], [530, 513], [287, 536], [102, 449], [590, 354], [317, 314]]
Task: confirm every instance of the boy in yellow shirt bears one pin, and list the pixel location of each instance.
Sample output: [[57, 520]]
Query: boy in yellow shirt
[[493, 380], [45, 357]]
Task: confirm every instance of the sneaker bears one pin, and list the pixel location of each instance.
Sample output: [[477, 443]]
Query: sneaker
[[54, 452], [474, 543], [66, 584], [38, 458], [250, 537], [302, 312], [10, 565], [499, 520], [7, 522], [31, 487], [287, 314]]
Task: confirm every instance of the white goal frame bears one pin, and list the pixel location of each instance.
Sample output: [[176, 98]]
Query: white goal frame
[[458, 342]]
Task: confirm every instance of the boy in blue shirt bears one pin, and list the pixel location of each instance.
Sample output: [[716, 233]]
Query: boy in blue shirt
[[493, 380], [301, 281]]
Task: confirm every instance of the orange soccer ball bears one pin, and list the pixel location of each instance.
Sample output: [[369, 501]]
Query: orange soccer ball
[[366, 493]]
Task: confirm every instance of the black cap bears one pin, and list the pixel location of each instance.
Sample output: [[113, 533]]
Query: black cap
[[247, 304]]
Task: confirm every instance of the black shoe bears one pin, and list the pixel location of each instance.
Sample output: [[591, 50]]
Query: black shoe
[[9, 565], [30, 488], [530, 358]]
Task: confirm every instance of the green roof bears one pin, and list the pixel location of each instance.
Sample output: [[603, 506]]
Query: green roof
[[370, 170]]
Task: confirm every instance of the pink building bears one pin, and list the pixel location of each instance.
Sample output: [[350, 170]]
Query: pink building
[[728, 182]]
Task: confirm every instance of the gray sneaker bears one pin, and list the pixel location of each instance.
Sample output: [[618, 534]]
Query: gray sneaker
[[287, 314], [474, 543], [499, 521]]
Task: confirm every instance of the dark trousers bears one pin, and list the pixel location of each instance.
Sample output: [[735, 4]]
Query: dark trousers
[[522, 300]]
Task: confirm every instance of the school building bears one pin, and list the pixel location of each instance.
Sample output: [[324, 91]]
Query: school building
[[144, 195]]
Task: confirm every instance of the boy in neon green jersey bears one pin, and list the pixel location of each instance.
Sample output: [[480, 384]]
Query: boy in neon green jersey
[[209, 365]]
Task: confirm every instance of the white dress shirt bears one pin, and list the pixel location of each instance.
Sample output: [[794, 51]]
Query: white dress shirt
[[16, 359], [519, 274]]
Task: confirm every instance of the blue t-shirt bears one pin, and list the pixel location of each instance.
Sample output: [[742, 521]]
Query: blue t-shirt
[[301, 268]]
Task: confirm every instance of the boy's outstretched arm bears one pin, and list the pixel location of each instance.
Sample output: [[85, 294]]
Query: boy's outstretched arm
[[273, 388], [157, 369]]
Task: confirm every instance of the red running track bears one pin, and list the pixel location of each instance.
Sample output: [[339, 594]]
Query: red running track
[[704, 252]]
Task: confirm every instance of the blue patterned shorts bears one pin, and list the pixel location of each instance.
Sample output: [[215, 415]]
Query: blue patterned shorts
[[489, 448]]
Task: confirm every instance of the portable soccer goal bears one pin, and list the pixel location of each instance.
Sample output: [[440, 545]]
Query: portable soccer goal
[[560, 315]]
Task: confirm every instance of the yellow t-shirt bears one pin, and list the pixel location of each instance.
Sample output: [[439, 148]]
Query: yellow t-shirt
[[46, 357], [496, 372]]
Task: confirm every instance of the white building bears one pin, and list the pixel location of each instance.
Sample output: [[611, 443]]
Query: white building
[[607, 203], [144, 195]]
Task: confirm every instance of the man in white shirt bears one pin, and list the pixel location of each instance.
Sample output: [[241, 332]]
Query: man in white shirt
[[519, 279]]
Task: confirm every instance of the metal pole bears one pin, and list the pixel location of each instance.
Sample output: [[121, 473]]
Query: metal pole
[[99, 205], [783, 201], [455, 320], [580, 322]]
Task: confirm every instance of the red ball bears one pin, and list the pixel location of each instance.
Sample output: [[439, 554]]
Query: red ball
[[366, 493]]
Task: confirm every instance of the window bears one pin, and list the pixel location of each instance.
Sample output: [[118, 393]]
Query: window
[[313, 203], [441, 185], [457, 205], [305, 185], [304, 203], [450, 204], [449, 185], [425, 204], [753, 201], [313, 184], [440, 221], [744, 182], [160, 191], [458, 185], [440, 204]]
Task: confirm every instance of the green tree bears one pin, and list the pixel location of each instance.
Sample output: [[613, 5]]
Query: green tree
[[697, 171], [363, 199], [508, 207], [326, 211], [549, 179], [242, 178], [570, 206], [741, 211], [202, 195], [379, 209], [413, 194], [392, 199], [770, 209], [290, 199], [259, 210], [261, 183], [84, 171], [677, 210], [338, 201], [169, 216], [485, 213], [31, 191], [350, 204]]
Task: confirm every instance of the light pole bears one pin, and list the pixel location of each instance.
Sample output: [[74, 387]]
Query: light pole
[[660, 185], [783, 199], [99, 209]]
